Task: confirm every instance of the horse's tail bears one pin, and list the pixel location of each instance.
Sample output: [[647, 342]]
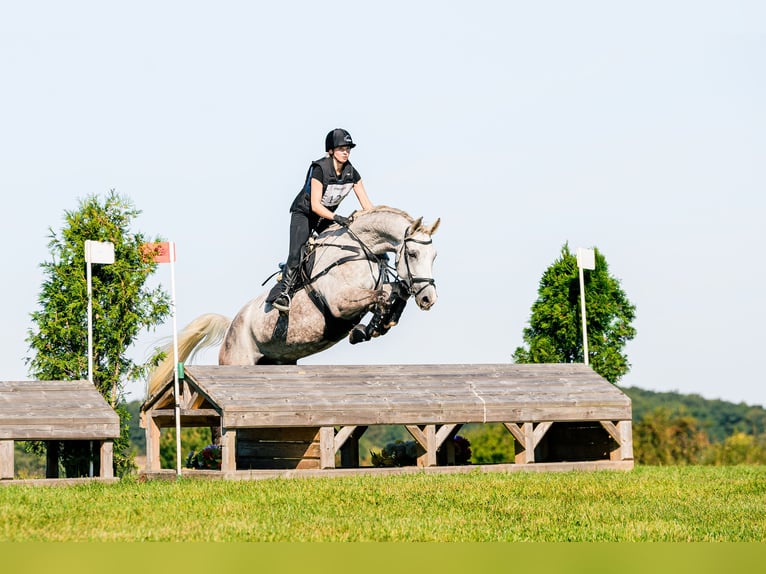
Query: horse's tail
[[205, 331]]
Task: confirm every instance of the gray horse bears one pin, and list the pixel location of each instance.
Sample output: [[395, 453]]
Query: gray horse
[[347, 277]]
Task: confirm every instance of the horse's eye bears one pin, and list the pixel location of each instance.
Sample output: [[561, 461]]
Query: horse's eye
[[413, 255]]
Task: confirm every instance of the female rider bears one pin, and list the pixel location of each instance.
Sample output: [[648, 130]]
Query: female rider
[[327, 183]]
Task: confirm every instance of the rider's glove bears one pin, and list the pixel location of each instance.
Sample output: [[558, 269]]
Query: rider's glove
[[340, 220]]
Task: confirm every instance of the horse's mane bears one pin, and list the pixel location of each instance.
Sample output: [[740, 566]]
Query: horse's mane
[[382, 209]]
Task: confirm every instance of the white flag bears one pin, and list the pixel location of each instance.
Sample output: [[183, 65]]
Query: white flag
[[99, 252], [586, 258]]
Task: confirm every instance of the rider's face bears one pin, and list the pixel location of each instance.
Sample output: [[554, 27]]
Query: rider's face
[[340, 154]]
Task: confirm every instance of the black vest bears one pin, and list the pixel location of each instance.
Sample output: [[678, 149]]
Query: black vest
[[334, 187]]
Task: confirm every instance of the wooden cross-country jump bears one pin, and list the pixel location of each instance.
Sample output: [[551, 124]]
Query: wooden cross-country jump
[[54, 411], [306, 420]]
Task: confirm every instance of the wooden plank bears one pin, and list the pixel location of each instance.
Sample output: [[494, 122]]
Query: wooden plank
[[48, 432], [270, 474], [6, 459]]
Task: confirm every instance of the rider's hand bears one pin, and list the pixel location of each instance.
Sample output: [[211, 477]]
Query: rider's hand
[[340, 220]]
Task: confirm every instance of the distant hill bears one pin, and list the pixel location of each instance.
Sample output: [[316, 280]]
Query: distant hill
[[720, 419]]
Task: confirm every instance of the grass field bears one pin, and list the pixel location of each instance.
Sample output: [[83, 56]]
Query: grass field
[[648, 504]]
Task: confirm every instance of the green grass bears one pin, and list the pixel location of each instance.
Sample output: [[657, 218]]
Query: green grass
[[670, 504]]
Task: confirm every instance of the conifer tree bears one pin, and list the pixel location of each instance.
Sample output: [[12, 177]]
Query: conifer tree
[[554, 334]]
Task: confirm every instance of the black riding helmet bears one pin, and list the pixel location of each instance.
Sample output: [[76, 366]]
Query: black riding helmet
[[337, 138]]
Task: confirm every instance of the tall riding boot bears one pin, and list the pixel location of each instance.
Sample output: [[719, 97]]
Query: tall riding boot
[[282, 302]]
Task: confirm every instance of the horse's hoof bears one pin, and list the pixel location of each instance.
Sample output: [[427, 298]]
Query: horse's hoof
[[358, 335]]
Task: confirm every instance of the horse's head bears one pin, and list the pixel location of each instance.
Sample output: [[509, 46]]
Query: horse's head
[[415, 260]]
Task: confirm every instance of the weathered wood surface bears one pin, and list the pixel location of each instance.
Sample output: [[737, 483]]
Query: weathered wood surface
[[324, 395], [63, 410]]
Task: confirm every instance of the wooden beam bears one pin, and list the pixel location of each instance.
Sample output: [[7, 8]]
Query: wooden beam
[[418, 435], [540, 430], [444, 432], [341, 436], [6, 460]]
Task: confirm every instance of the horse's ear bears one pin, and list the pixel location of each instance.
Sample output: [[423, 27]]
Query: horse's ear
[[415, 226], [434, 226]]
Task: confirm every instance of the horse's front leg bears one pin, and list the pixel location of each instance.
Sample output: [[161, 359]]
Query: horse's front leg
[[352, 302]]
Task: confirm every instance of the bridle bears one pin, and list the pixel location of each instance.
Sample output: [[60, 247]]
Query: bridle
[[411, 281]]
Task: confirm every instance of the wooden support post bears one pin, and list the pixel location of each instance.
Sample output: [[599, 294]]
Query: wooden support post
[[6, 460], [228, 450], [622, 433], [527, 436], [432, 446], [327, 447], [523, 453], [626, 432], [107, 457], [52, 459], [426, 437], [152, 444]]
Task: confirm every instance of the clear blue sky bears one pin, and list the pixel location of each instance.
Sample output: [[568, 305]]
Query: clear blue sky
[[637, 128]]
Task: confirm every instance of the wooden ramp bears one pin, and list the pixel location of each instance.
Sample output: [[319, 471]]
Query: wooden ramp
[[281, 420], [55, 411]]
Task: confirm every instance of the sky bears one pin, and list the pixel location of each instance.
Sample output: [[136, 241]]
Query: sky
[[635, 128]]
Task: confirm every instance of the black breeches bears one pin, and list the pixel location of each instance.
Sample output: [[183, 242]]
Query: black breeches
[[300, 229]]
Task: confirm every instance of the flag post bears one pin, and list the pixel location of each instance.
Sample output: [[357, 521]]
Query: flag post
[[176, 387], [586, 259], [165, 252], [95, 252]]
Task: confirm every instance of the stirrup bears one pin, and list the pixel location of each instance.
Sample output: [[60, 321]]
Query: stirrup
[[277, 304]]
